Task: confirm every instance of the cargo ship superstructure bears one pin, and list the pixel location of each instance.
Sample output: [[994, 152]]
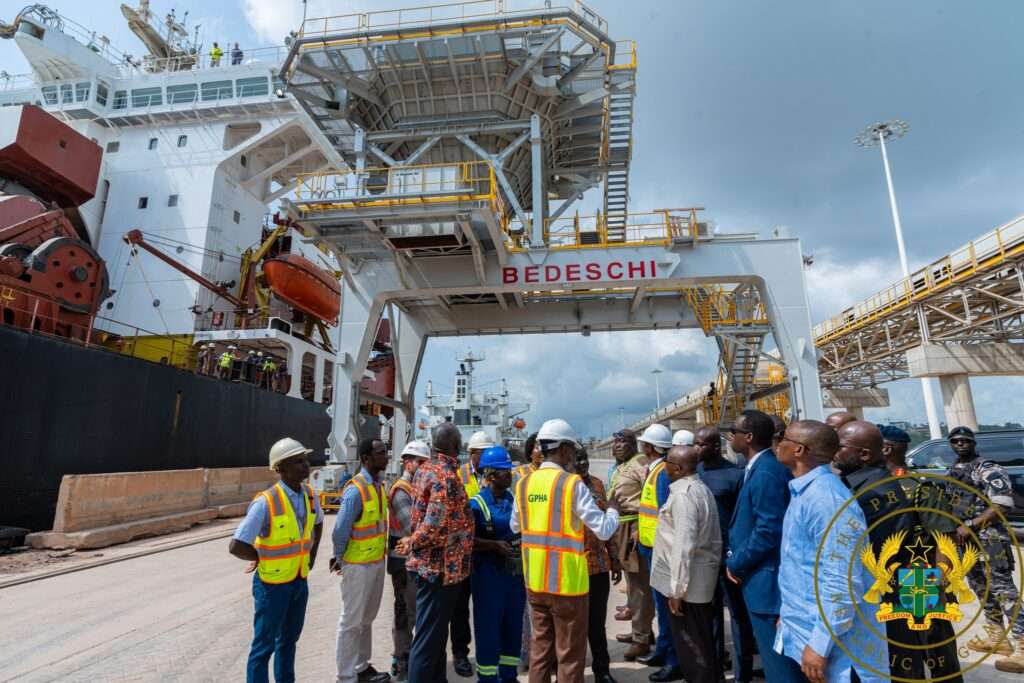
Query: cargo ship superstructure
[[472, 409], [195, 150]]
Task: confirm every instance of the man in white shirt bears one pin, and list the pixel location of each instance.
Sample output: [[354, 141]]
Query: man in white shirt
[[550, 510], [687, 555]]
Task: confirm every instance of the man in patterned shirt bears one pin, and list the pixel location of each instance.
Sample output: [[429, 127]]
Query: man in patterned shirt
[[439, 551]]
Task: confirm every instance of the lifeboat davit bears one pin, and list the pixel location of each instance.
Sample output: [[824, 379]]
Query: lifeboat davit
[[300, 283]]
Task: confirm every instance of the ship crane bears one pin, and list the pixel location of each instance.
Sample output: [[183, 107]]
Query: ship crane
[[168, 51], [309, 290]]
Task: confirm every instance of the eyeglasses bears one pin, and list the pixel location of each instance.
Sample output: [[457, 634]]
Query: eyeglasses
[[733, 430], [850, 445], [798, 443]]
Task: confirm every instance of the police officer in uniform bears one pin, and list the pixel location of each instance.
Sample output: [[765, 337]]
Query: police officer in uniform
[[981, 518]]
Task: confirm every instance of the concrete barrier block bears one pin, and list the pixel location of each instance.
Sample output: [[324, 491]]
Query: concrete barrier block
[[229, 485], [102, 537], [232, 510], [88, 501]]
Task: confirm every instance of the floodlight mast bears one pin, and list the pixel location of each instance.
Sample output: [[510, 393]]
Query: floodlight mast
[[876, 135]]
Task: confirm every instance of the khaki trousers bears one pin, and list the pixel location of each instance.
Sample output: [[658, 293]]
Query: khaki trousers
[[362, 586], [641, 604], [559, 637]]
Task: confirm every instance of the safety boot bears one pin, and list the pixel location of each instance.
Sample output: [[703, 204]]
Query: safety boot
[[995, 641], [1014, 663]]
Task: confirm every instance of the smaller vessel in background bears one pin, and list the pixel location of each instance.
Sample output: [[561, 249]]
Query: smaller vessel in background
[[472, 411]]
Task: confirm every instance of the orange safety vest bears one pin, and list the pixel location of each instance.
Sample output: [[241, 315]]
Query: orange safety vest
[[368, 542], [399, 485], [554, 556], [284, 553]]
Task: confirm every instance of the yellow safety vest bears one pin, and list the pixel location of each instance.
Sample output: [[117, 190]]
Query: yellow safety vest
[[648, 507], [554, 558], [369, 540], [521, 471], [225, 359], [469, 480], [284, 553]]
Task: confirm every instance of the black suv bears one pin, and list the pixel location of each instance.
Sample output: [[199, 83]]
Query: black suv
[[1006, 448]]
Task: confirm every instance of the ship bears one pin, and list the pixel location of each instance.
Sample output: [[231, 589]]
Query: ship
[[138, 246], [472, 410]]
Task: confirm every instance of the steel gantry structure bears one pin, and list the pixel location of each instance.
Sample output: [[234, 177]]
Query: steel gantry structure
[[973, 295], [467, 133]]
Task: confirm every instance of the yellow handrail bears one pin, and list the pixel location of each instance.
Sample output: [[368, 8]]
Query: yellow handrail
[[988, 252]]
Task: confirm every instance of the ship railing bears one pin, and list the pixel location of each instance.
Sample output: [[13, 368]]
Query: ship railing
[[271, 56], [399, 19], [106, 334], [989, 252], [472, 181], [642, 229], [16, 81]]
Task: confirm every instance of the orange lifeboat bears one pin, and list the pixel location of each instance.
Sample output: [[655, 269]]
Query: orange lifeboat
[[300, 283]]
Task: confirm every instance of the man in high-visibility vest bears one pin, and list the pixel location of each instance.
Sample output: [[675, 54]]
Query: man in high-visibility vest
[[280, 536], [215, 54], [224, 363], [551, 507], [360, 539], [469, 472], [655, 442], [414, 454]]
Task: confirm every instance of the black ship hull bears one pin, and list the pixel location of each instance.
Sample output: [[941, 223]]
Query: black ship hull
[[66, 409]]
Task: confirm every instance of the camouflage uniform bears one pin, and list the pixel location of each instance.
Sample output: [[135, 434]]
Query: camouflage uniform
[[992, 481]]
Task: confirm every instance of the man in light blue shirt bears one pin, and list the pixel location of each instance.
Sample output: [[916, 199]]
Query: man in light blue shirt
[[825, 623]]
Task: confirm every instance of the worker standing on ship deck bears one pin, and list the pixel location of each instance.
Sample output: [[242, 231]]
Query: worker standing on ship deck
[[224, 364], [215, 54], [499, 596], [461, 633], [269, 373], [360, 544], [550, 510], [204, 353], [655, 441], [280, 535], [414, 454]]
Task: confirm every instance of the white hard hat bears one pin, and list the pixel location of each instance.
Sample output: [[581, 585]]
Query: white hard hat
[[558, 430], [684, 437], [657, 435], [479, 441], [284, 449], [417, 449]]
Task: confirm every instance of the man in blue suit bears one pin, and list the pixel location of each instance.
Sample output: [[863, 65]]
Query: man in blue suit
[[755, 537]]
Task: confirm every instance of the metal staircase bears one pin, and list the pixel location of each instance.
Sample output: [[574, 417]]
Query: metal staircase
[[620, 80]]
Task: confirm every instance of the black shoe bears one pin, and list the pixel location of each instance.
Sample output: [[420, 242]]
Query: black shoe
[[371, 675], [604, 678], [653, 659], [463, 667], [666, 673]]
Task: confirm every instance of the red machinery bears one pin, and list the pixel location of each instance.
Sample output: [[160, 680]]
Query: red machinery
[[51, 278]]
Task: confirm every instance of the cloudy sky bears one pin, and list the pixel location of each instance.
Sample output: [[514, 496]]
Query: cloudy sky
[[749, 109]]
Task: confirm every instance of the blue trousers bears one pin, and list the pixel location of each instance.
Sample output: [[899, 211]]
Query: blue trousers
[[777, 668], [663, 645], [499, 600], [435, 604], [277, 625]]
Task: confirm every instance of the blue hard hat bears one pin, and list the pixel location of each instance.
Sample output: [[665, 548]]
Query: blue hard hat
[[495, 458], [894, 434]]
